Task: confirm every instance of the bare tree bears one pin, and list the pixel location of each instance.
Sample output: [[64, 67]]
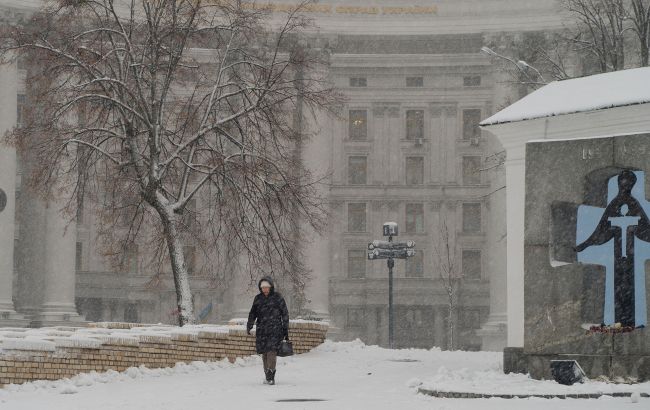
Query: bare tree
[[640, 17], [601, 36], [149, 106], [600, 31], [444, 250]]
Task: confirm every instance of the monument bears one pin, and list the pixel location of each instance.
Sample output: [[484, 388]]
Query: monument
[[578, 225], [587, 242]]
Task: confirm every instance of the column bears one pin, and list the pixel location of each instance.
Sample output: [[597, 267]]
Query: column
[[58, 268], [450, 136], [515, 198], [493, 333], [316, 155], [8, 93], [436, 141]]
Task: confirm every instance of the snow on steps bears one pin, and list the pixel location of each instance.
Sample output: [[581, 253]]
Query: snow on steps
[[59, 352]]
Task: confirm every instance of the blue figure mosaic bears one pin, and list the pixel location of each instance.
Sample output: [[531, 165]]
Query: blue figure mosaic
[[618, 238]]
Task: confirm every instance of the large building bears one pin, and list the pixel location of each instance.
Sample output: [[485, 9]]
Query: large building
[[406, 147]]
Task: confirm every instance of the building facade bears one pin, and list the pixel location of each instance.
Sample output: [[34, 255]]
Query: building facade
[[405, 147]]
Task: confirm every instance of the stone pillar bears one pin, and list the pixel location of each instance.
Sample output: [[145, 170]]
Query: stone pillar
[[450, 136], [58, 282], [8, 93], [493, 333], [515, 197], [437, 141]]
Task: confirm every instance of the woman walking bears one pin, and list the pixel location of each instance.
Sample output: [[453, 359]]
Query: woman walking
[[270, 311]]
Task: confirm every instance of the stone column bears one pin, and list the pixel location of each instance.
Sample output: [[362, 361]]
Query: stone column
[[59, 273], [494, 332], [437, 141], [515, 197], [8, 92], [450, 135]]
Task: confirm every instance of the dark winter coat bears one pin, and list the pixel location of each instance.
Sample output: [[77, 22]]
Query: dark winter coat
[[272, 318]]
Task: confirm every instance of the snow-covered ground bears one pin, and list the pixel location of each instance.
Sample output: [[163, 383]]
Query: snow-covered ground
[[345, 375]]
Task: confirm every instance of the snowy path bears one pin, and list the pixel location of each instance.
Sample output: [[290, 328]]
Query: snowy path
[[347, 375]]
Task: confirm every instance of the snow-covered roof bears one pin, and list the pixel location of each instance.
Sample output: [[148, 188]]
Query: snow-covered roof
[[596, 92]]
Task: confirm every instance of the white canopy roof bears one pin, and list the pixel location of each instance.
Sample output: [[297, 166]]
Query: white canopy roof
[[596, 92]]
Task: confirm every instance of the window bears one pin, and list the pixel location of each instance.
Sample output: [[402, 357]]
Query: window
[[471, 170], [472, 81], [21, 101], [471, 264], [357, 263], [414, 124], [414, 170], [414, 82], [471, 120], [471, 217], [358, 82], [21, 62], [80, 209], [130, 259], [471, 318], [414, 218], [357, 170], [78, 262], [189, 214], [356, 317], [358, 127], [357, 217], [415, 265], [190, 259], [131, 313], [413, 318]]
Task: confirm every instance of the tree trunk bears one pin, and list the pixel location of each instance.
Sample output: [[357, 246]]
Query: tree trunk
[[450, 323], [179, 269]]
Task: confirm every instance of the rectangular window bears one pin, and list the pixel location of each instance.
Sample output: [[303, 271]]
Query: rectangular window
[[357, 170], [414, 81], [78, 262], [471, 264], [471, 170], [471, 120], [414, 170], [190, 259], [357, 217], [472, 81], [358, 127], [414, 218], [80, 209], [471, 217], [358, 82], [189, 214], [130, 259], [414, 124], [471, 318], [21, 101], [356, 317], [357, 263], [415, 265]]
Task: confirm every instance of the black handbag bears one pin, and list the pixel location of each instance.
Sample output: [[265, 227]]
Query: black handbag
[[286, 349]]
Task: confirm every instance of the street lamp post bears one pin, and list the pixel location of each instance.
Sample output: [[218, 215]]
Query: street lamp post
[[390, 250]]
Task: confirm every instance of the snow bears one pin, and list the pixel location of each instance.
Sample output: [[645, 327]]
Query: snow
[[596, 92], [347, 375]]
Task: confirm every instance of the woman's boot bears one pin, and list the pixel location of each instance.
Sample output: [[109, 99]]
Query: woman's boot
[[272, 376]]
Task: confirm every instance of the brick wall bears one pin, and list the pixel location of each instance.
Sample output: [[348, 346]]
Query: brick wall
[[53, 357]]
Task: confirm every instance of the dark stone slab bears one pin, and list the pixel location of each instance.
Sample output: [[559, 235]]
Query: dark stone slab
[[562, 297]]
